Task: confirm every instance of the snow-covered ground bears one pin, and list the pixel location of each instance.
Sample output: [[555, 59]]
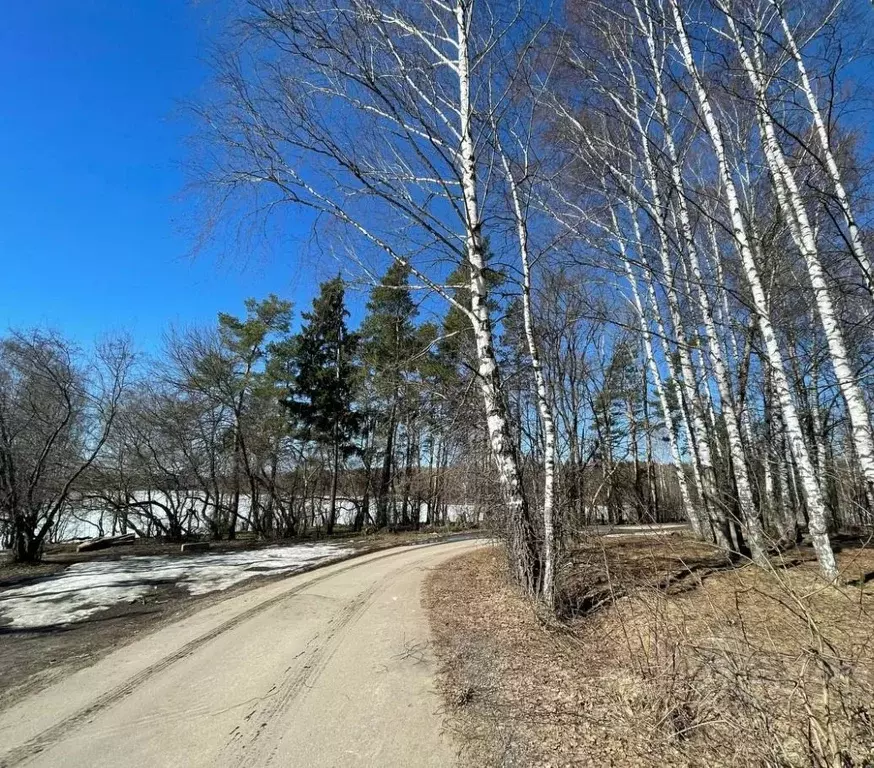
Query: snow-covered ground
[[83, 589]]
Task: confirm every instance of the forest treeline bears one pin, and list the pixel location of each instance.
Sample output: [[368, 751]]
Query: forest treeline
[[247, 426], [647, 224]]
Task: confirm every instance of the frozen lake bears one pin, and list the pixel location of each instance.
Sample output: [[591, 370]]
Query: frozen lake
[[85, 522]]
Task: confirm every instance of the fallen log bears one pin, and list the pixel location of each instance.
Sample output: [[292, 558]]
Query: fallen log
[[104, 542]]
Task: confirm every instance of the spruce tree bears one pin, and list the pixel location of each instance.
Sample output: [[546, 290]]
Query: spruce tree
[[324, 383]]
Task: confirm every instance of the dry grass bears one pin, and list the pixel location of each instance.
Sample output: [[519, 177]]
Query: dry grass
[[665, 657]]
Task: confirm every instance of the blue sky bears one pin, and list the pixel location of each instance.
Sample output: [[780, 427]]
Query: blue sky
[[95, 233]]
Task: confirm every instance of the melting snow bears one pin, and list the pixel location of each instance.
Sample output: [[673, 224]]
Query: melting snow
[[83, 589]]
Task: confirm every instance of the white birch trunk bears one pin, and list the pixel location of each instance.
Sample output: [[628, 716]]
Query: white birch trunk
[[830, 162], [702, 464], [523, 559], [687, 378], [767, 480], [746, 502], [544, 406], [816, 506], [745, 498], [787, 504], [723, 316], [676, 458], [792, 205]]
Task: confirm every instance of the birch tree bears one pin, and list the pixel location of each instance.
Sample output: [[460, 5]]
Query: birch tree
[[519, 185], [813, 495], [788, 194], [717, 355], [825, 142], [368, 114], [652, 364]]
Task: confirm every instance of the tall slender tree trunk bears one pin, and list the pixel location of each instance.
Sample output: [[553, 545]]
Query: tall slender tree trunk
[[685, 375], [745, 501], [689, 509], [335, 474], [792, 206], [654, 497], [544, 404], [702, 464], [235, 499], [813, 495], [745, 498], [831, 164], [335, 462], [385, 474], [524, 557]]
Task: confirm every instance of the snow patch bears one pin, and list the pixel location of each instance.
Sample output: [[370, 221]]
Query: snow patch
[[84, 589]]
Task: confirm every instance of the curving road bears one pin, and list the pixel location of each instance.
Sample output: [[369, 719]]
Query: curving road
[[329, 668]]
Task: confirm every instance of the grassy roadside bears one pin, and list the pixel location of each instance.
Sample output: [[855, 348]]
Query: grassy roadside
[[663, 657], [31, 659]]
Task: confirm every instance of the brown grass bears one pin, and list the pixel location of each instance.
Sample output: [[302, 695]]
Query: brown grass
[[665, 656]]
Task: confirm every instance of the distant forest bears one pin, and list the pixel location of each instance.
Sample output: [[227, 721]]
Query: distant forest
[[246, 426]]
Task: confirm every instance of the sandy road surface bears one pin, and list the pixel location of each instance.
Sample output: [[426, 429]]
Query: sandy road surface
[[330, 668]]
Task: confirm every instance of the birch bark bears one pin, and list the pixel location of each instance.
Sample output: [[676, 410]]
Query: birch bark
[[816, 506], [524, 559], [746, 502], [791, 203], [702, 465], [544, 406], [676, 457], [830, 162]]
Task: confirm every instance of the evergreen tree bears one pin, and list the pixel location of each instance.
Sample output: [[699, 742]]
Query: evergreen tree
[[325, 379], [458, 345], [389, 345], [231, 374]]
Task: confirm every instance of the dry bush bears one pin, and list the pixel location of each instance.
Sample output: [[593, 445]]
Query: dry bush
[[741, 666], [666, 656], [473, 677]]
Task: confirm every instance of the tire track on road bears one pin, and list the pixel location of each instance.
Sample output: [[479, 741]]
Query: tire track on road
[[263, 722], [45, 739]]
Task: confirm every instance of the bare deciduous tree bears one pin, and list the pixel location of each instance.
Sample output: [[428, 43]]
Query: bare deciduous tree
[[57, 410]]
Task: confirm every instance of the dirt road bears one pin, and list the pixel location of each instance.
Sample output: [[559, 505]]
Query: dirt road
[[329, 668]]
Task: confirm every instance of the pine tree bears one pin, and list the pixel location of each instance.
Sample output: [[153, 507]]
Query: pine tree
[[389, 340], [232, 374]]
